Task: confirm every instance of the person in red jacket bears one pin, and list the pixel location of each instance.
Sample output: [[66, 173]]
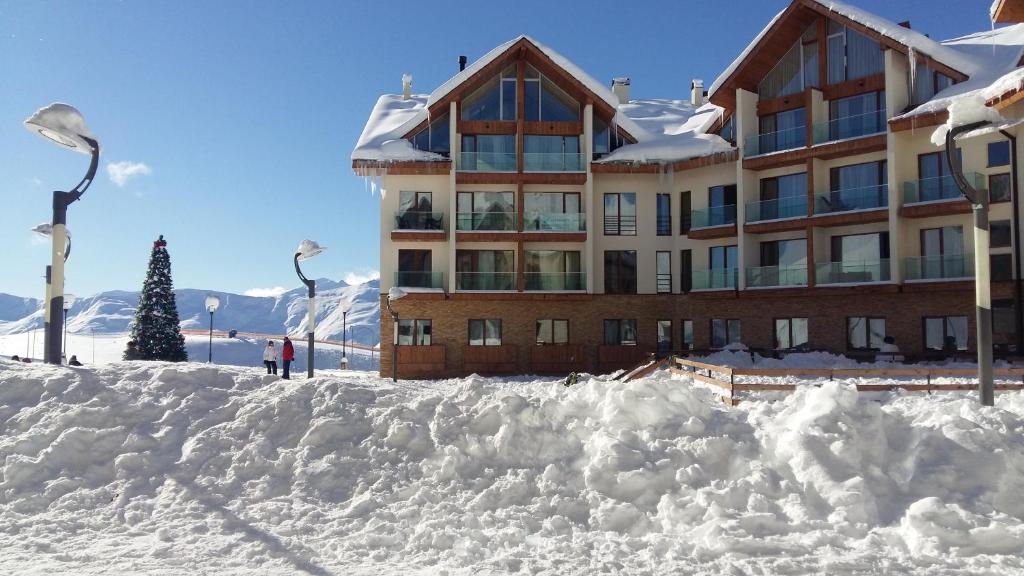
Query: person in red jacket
[[287, 355]]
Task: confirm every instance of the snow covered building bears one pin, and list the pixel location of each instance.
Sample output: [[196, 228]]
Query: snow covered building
[[540, 221]]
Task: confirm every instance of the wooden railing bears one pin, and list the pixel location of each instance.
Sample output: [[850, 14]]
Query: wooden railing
[[725, 377]]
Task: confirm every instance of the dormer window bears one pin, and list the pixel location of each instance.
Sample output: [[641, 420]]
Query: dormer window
[[605, 140], [928, 82], [495, 100], [544, 101], [434, 138]]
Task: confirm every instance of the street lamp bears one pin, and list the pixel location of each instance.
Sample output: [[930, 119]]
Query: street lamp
[[395, 293], [46, 231], [306, 250], [212, 303], [344, 337], [63, 125], [69, 301], [982, 276]]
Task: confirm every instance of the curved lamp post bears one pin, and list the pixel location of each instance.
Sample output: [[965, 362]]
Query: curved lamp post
[[344, 337], [306, 250], [395, 293], [212, 303], [69, 301], [64, 125]]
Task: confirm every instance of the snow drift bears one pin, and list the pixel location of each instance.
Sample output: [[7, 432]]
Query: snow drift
[[160, 468]]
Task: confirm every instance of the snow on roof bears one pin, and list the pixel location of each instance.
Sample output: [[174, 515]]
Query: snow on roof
[[920, 43], [676, 131], [392, 117]]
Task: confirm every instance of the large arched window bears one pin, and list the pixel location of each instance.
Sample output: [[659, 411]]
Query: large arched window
[[546, 101], [495, 100]]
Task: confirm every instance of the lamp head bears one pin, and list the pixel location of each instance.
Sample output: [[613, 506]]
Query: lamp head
[[308, 249], [212, 303], [64, 125], [396, 293], [69, 301]]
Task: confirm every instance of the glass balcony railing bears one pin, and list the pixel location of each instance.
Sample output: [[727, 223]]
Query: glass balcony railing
[[554, 222], [416, 220], [485, 221], [775, 141], [788, 207], [714, 279], [486, 162], [552, 162], [485, 281], [938, 188], [849, 199], [419, 279], [853, 126], [852, 272], [947, 266], [765, 276], [713, 216], [556, 281]]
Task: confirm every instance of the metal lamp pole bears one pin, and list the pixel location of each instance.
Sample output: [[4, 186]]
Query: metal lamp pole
[[344, 338], [212, 303], [306, 250], [394, 293], [64, 125], [46, 231], [69, 301], [982, 276]]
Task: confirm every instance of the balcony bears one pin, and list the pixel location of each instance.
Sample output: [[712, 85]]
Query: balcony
[[851, 199], [855, 126], [778, 209], [856, 272], [945, 267], [495, 221], [775, 141], [486, 162], [776, 276], [715, 279], [556, 281], [487, 281], [415, 220], [938, 189], [713, 216], [555, 222], [419, 279], [552, 162]]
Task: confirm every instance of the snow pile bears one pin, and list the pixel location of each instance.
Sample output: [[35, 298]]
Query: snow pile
[[157, 468], [392, 117], [676, 131]]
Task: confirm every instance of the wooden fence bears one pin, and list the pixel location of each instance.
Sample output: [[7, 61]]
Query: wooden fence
[[724, 377]]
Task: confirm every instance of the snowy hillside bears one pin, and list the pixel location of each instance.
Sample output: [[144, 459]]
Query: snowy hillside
[[112, 312], [151, 468]]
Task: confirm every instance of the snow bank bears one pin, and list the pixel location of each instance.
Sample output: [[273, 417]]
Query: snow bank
[[158, 468]]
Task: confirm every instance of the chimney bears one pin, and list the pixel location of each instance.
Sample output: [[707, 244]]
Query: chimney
[[462, 63], [697, 92], [620, 87], [905, 24], [406, 86]]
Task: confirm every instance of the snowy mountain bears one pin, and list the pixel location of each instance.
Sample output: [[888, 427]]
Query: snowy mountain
[[112, 312]]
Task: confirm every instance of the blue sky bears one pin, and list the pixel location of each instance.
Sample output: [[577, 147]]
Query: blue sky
[[244, 114]]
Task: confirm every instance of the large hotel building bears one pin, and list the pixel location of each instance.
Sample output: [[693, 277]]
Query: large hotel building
[[540, 221]]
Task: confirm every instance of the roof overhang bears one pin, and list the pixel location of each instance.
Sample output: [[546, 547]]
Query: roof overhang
[[1007, 11]]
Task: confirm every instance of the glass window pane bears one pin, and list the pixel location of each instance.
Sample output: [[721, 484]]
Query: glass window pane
[[611, 332], [857, 332], [424, 330], [718, 339], [998, 153], [934, 335], [628, 332], [484, 103], [493, 335], [508, 99], [405, 329], [799, 332], [687, 334], [836, 59], [782, 341], [999, 188], [864, 56], [810, 54], [876, 329], [556, 105], [956, 326], [560, 332], [476, 332], [1000, 234], [544, 332], [734, 332]]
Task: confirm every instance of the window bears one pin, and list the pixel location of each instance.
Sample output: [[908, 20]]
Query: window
[[999, 188], [728, 130], [685, 215], [686, 270], [687, 334], [998, 153], [942, 251], [415, 270], [488, 153], [855, 187], [552, 270], [782, 197], [620, 272], [415, 212], [1000, 234], [946, 333], [484, 270], [545, 101], [863, 333], [436, 137], [664, 273], [721, 206], [857, 258], [495, 100], [553, 211], [620, 332], [935, 182], [1004, 320], [605, 139], [485, 332], [927, 83], [796, 70], [782, 131], [999, 267], [620, 214], [551, 153], [857, 116], [664, 223], [724, 332], [413, 332], [664, 336], [552, 331], [851, 55], [723, 262], [790, 333], [486, 211], [783, 263]]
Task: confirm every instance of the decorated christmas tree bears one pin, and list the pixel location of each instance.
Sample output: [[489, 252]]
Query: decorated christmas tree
[[155, 332]]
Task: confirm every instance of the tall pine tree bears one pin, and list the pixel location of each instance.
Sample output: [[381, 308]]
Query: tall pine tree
[[156, 331]]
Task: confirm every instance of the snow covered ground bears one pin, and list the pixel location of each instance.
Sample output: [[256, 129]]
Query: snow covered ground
[[129, 468]]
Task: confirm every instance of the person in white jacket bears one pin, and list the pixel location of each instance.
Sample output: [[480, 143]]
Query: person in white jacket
[[270, 357], [889, 352]]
